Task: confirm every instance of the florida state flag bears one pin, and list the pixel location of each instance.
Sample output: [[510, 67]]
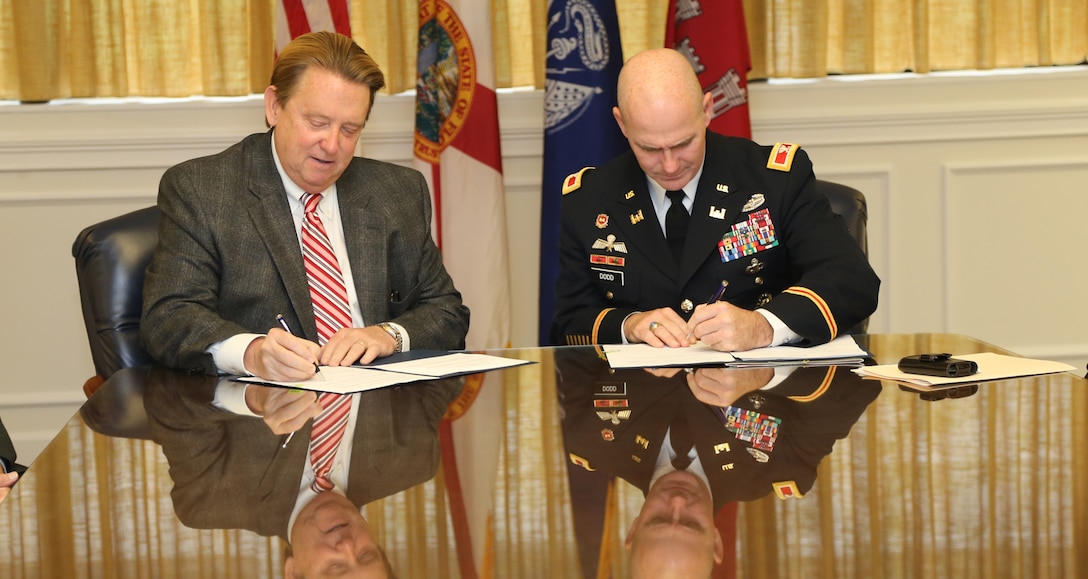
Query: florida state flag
[[712, 35]]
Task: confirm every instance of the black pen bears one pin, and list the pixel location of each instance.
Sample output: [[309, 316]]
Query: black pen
[[286, 328]]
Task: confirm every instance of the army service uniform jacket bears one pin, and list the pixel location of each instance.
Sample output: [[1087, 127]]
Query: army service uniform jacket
[[757, 221]]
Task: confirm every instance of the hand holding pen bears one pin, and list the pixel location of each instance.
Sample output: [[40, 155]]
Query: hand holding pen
[[283, 324], [718, 294], [317, 373], [728, 328]]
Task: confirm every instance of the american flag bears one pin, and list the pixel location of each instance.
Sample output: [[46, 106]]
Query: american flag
[[297, 17]]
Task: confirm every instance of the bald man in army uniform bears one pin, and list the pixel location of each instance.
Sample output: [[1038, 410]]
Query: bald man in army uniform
[[695, 236]]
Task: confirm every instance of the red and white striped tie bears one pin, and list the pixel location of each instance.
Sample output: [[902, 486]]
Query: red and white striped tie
[[327, 289], [330, 299]]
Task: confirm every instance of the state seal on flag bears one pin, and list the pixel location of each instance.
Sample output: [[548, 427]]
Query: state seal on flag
[[446, 80]]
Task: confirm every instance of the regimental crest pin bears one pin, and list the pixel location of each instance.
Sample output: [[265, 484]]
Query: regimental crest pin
[[754, 202], [602, 220]]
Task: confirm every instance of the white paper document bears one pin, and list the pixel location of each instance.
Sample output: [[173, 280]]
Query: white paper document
[[344, 380], [349, 379], [452, 364], [990, 367], [840, 350]]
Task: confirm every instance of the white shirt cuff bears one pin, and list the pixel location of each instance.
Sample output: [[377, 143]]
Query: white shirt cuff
[[782, 333], [229, 355]]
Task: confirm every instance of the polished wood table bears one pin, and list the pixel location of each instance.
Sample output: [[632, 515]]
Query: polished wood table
[[542, 471]]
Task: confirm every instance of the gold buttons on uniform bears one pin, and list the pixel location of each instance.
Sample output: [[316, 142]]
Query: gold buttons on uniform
[[759, 280], [608, 296], [763, 299], [687, 306]]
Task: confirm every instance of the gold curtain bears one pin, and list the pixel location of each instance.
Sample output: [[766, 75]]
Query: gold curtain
[[116, 48]]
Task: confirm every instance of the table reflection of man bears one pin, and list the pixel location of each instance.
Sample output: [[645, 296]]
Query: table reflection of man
[[694, 441], [232, 469]]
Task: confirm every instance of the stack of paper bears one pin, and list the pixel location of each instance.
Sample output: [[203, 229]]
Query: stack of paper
[[842, 350]]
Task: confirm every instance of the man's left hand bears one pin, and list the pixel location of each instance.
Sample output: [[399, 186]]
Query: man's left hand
[[727, 328], [351, 345]]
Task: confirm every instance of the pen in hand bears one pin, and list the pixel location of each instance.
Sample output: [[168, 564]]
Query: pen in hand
[[717, 296], [283, 324]]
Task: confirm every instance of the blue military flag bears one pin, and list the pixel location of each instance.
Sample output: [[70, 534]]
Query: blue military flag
[[583, 63]]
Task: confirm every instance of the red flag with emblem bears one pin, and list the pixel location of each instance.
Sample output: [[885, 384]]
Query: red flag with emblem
[[714, 38]]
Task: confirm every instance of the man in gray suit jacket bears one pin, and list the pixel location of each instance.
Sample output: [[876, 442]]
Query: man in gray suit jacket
[[229, 257]]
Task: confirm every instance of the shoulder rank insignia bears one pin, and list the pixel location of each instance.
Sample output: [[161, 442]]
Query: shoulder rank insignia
[[781, 158], [787, 490], [574, 458], [574, 181]]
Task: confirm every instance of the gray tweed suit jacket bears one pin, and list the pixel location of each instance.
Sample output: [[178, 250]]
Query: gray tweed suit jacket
[[228, 257]]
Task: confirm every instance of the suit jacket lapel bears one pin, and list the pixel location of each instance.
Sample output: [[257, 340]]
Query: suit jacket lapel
[[364, 237], [272, 216]]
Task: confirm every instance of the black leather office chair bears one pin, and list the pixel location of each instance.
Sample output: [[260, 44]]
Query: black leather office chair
[[111, 257], [849, 203]]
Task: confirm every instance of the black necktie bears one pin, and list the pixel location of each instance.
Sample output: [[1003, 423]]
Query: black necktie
[[680, 437], [676, 223]]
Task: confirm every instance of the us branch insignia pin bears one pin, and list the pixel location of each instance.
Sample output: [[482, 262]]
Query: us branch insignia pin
[[717, 213], [754, 202], [602, 220], [636, 217]]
